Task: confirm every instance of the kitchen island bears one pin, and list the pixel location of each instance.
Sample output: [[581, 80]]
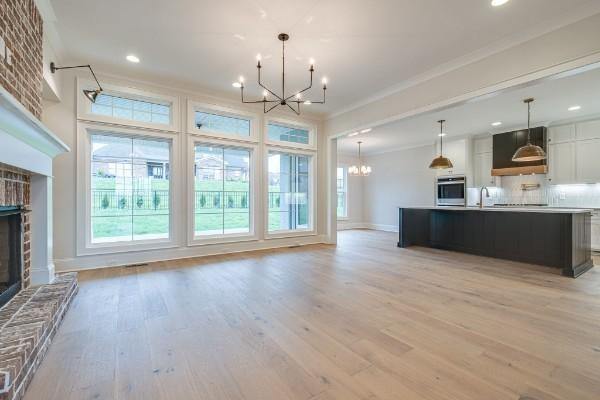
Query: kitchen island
[[554, 237]]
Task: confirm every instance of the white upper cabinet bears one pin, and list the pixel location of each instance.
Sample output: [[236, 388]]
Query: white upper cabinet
[[482, 170], [588, 130], [456, 151], [561, 157], [561, 134], [483, 158], [574, 153], [483, 145], [588, 161]]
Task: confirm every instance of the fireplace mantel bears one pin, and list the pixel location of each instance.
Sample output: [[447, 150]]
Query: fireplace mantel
[[26, 142]]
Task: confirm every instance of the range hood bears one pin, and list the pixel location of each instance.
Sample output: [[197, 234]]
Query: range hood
[[506, 144]]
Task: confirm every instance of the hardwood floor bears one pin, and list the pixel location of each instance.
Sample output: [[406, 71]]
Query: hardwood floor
[[364, 320]]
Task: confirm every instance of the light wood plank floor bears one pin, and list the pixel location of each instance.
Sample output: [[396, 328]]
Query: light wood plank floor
[[364, 320]]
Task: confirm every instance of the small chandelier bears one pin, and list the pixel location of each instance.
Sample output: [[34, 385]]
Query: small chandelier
[[441, 162], [361, 169], [529, 152], [270, 97]]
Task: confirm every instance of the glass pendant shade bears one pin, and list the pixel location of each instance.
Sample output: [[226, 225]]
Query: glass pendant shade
[[92, 94], [529, 152], [441, 162]]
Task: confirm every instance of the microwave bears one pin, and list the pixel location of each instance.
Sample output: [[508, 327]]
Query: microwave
[[451, 190]]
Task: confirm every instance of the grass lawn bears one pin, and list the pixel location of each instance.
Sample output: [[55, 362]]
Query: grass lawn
[[122, 216]]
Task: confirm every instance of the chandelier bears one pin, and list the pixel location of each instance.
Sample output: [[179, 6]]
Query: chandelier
[[360, 169], [271, 98]]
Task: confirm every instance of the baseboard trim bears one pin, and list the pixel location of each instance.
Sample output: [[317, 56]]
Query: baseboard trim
[[116, 260], [342, 226]]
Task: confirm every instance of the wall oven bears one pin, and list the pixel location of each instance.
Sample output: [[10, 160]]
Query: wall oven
[[451, 191]]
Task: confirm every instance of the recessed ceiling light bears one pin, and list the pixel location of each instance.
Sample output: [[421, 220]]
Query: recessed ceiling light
[[574, 108], [498, 3], [352, 134], [366, 130], [236, 84], [240, 37], [132, 58], [441, 134], [308, 102], [497, 123]]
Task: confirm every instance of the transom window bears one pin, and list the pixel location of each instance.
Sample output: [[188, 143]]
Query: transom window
[[131, 109], [222, 190], [342, 192], [222, 124], [289, 193], [282, 133], [130, 188]]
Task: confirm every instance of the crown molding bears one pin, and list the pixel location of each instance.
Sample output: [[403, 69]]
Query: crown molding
[[587, 10]]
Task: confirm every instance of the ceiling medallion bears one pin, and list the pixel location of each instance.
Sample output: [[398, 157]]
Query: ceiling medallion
[[273, 99]]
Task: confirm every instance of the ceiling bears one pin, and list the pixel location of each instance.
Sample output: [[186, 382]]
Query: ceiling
[[553, 98], [363, 47]]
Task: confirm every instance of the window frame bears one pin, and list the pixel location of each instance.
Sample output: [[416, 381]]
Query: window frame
[[84, 245], [290, 123], [254, 164], [194, 106], [84, 106], [312, 185], [347, 197]]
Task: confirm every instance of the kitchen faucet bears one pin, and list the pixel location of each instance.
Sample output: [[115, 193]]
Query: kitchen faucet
[[487, 194]]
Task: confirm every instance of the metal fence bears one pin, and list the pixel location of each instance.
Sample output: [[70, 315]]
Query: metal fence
[[111, 199]]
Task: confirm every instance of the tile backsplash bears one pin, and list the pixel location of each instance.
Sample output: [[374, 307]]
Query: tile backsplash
[[577, 195]]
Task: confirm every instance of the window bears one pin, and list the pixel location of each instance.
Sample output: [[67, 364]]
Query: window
[[131, 109], [215, 123], [221, 190], [130, 188], [282, 133], [342, 192], [289, 193]]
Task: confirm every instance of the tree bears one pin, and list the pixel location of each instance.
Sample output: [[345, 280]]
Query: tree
[[202, 200], [105, 201], [230, 202], [217, 200], [156, 200], [140, 201], [123, 202], [244, 201]]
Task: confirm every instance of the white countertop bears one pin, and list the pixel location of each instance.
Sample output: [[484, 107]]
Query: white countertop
[[549, 210]]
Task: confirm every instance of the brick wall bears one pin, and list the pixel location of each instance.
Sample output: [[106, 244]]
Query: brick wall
[[15, 191], [21, 27]]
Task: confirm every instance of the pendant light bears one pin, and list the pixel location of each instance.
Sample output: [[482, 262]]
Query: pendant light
[[529, 152], [361, 169], [441, 162]]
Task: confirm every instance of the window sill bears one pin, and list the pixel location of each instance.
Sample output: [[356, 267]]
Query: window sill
[[126, 247], [223, 239], [290, 234]]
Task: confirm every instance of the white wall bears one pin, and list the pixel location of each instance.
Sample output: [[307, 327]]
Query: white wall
[[399, 178], [557, 51], [60, 117], [355, 217]]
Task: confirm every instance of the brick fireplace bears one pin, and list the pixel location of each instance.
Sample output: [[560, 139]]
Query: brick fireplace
[[15, 232]]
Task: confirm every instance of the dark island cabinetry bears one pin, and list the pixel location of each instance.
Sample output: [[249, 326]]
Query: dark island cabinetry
[[554, 239]]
